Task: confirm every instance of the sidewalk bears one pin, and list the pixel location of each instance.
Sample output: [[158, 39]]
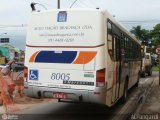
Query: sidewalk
[[152, 103]]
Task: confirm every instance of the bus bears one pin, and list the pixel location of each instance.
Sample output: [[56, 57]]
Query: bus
[[81, 55]]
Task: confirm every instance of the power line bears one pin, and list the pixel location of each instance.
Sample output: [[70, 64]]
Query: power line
[[80, 4], [5, 26], [73, 3], [13, 29], [138, 21]]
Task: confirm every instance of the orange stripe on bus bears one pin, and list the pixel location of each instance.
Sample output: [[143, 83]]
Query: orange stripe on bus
[[85, 57], [33, 57]]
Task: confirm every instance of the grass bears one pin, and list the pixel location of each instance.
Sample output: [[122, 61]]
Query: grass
[[155, 68]]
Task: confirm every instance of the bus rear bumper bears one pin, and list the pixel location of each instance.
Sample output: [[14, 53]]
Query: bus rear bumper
[[72, 94]]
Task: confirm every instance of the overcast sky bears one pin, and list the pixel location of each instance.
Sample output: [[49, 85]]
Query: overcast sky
[[129, 12]]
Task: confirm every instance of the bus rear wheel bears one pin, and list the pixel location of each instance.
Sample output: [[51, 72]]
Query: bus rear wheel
[[137, 83], [125, 93]]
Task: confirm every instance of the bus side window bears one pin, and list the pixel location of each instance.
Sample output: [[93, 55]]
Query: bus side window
[[122, 45], [110, 39], [117, 48]]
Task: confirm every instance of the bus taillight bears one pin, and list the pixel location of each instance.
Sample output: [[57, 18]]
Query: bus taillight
[[100, 78], [26, 73]]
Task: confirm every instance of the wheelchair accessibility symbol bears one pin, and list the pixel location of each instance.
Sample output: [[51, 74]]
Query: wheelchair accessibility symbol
[[33, 74]]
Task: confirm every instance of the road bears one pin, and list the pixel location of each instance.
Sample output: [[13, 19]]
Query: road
[[76, 111]]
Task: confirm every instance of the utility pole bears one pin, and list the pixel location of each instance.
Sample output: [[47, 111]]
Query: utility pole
[[58, 4]]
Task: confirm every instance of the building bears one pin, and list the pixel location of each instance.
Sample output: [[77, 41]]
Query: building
[[9, 52]]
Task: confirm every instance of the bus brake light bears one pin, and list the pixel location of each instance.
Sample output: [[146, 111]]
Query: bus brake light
[[100, 78]]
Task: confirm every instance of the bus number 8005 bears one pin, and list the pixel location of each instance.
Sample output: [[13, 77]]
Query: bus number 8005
[[60, 76]]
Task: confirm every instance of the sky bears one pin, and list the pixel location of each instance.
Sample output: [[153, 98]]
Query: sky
[[15, 14]]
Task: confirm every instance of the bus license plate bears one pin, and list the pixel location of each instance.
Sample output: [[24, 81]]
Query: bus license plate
[[59, 95]]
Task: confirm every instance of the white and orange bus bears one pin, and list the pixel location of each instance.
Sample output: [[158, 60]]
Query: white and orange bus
[[80, 55]]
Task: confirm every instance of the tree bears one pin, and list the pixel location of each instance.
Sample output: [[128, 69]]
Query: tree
[[156, 35], [147, 36], [142, 34], [137, 31]]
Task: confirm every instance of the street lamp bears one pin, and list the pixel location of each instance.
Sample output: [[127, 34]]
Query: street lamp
[[33, 6]]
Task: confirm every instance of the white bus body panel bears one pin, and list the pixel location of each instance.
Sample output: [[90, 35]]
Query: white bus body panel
[[79, 35]]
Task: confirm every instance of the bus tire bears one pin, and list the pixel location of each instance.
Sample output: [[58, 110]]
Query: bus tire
[[125, 92]]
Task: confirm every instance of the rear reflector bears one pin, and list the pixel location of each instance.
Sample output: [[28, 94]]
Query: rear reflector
[[100, 78]]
